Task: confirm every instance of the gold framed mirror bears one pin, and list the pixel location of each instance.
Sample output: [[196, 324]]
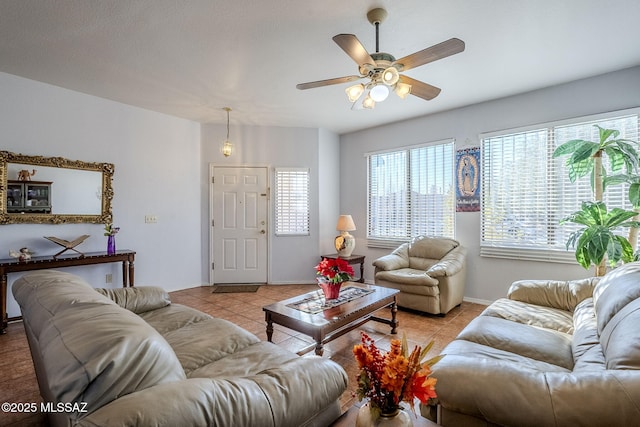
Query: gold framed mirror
[[54, 190]]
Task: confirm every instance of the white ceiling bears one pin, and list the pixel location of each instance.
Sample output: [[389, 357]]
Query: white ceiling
[[191, 58]]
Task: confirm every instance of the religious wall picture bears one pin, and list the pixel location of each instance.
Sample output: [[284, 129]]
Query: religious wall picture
[[468, 179]]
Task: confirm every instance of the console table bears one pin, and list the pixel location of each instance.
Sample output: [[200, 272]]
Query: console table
[[12, 265]]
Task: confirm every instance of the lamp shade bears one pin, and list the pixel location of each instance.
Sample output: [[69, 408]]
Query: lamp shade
[[345, 242], [368, 103], [354, 92], [390, 76], [403, 90], [345, 223]]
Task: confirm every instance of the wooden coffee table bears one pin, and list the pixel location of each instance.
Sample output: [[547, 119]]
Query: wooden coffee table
[[326, 324]]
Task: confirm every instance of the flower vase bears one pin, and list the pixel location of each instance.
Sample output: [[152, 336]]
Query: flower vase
[[111, 245], [331, 290], [396, 418]]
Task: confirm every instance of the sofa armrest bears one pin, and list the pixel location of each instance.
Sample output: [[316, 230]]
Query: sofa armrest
[[492, 388], [564, 295], [452, 263], [285, 396], [139, 299], [391, 262], [399, 258]]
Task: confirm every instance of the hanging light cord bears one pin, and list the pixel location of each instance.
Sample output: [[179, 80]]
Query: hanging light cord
[[228, 109]]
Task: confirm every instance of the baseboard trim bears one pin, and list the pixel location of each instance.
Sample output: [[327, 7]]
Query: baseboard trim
[[477, 301]]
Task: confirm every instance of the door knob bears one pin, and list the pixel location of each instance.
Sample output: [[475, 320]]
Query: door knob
[[262, 231]]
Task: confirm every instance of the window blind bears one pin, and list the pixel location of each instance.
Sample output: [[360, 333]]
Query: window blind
[[291, 202], [411, 192], [526, 192]]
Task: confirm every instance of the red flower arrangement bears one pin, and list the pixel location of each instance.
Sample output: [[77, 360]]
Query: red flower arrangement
[[334, 270], [394, 377]]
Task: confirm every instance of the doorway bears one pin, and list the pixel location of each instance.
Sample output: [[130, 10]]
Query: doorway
[[239, 224]]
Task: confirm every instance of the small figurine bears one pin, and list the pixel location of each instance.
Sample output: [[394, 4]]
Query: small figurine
[[25, 175], [23, 255]]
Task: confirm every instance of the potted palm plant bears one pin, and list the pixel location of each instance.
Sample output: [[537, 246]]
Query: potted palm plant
[[596, 242]]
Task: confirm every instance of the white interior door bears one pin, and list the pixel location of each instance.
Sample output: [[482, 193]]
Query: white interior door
[[239, 210]]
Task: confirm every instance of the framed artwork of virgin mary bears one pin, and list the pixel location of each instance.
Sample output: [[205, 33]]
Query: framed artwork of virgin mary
[[468, 179]]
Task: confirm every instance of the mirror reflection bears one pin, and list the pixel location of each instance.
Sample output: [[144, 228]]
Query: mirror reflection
[[54, 190]]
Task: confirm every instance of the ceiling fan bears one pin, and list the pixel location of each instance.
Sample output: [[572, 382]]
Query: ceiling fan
[[383, 70]]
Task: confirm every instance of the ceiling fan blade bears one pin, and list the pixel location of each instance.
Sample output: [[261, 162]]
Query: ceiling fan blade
[[420, 89], [320, 83], [430, 54], [352, 46]]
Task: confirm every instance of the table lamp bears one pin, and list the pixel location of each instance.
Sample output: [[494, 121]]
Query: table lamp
[[345, 242]]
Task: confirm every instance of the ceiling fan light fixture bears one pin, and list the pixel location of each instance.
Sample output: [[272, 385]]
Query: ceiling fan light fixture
[[368, 102], [354, 92], [382, 69], [390, 76], [402, 90], [379, 92]]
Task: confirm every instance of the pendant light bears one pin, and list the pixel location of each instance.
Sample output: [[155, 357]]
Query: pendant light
[[227, 146]]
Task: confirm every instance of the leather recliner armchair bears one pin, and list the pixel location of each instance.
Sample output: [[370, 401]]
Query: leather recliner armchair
[[429, 272]]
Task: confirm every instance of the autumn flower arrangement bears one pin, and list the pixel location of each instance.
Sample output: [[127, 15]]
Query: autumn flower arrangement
[[334, 270], [393, 377]]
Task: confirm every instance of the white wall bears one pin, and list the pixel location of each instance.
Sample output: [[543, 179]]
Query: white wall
[[291, 259], [162, 168], [328, 190], [157, 171], [488, 278]]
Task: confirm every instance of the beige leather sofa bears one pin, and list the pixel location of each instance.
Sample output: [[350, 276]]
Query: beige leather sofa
[[553, 354], [430, 273], [129, 357]]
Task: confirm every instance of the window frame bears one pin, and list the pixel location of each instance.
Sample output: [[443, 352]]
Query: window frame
[[549, 253], [375, 241], [291, 217]]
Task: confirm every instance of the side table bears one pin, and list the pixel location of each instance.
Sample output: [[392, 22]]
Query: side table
[[352, 259]]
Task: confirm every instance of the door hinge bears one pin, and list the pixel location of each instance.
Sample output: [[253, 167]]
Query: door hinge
[[213, 222], [213, 179], [213, 265]]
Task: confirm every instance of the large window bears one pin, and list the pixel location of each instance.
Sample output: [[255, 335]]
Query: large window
[[525, 192], [292, 202], [411, 193]]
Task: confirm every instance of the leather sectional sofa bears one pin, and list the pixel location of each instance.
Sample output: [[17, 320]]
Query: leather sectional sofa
[[129, 357], [554, 353]]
